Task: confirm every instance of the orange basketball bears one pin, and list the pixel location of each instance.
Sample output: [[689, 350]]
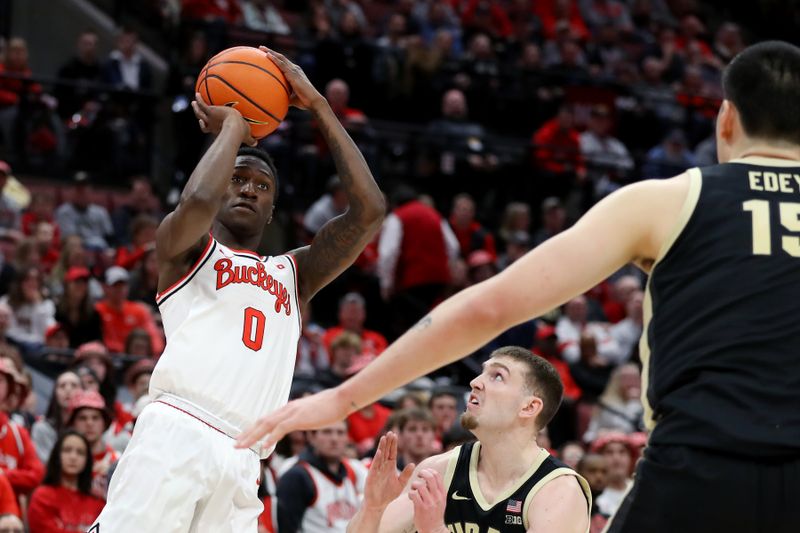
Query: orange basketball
[[245, 78]]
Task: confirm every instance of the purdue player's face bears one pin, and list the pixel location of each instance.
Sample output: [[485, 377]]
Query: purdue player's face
[[249, 199], [499, 395]]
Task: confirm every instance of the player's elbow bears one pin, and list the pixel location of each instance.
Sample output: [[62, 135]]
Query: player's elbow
[[485, 308], [370, 214], [376, 211]]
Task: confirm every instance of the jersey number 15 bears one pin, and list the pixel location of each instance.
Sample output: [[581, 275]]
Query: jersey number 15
[[762, 230]]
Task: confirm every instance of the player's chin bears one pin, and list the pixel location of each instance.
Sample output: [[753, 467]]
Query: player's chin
[[240, 211], [469, 421]]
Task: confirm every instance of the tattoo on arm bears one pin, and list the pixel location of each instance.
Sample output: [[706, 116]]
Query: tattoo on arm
[[339, 242], [424, 323]]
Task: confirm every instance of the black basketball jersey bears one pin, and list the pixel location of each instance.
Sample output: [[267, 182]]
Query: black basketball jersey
[[467, 511], [721, 347]]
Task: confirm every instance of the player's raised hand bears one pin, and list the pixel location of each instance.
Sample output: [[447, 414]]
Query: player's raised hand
[[212, 117], [304, 94], [429, 498], [383, 483], [311, 412]]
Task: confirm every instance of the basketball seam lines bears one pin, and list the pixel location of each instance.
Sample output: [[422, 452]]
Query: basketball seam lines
[[254, 66], [208, 94], [220, 78]]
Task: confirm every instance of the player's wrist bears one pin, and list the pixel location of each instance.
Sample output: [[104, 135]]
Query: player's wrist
[[236, 123], [374, 509], [318, 105]]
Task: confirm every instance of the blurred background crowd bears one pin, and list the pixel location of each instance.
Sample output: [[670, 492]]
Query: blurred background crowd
[[491, 125]]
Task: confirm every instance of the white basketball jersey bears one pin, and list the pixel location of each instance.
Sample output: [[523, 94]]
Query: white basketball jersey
[[232, 325], [335, 504]]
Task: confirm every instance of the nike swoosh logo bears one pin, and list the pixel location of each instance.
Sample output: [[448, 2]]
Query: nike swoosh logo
[[456, 497]]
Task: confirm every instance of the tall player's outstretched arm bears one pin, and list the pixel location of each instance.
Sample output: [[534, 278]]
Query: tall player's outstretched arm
[[200, 200], [338, 243], [629, 225]]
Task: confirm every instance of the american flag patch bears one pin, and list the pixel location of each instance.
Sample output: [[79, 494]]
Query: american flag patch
[[514, 506]]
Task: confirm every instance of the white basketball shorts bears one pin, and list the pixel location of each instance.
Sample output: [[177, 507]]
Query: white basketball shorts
[[181, 474]]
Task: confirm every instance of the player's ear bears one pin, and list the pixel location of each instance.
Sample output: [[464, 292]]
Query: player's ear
[[727, 120], [533, 406]]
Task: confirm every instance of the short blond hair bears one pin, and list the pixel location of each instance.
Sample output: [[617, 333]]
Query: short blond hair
[[346, 339]]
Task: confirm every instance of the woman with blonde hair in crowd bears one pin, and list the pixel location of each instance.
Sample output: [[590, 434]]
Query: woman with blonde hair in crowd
[[619, 408], [516, 217]]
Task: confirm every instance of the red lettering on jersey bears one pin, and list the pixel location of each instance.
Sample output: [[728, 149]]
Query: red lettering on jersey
[[340, 510], [253, 275]]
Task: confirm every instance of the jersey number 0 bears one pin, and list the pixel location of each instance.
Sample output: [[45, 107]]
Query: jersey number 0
[[254, 323]]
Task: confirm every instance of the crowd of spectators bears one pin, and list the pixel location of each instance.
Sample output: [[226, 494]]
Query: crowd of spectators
[[440, 96]]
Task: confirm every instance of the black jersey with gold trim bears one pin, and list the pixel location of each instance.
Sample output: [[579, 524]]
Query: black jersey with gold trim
[[467, 511], [721, 347]]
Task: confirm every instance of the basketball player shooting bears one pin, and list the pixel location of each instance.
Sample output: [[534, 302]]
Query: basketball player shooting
[[721, 342], [232, 320]]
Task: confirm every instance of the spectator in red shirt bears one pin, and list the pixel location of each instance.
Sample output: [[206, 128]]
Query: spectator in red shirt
[[120, 315], [415, 251], [227, 11], [44, 236], [41, 209], [557, 153], [470, 234], [487, 16], [562, 427], [551, 12], [624, 288], [16, 64], [352, 314], [143, 229], [18, 458], [337, 92], [90, 417], [17, 133], [64, 503], [364, 425]]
